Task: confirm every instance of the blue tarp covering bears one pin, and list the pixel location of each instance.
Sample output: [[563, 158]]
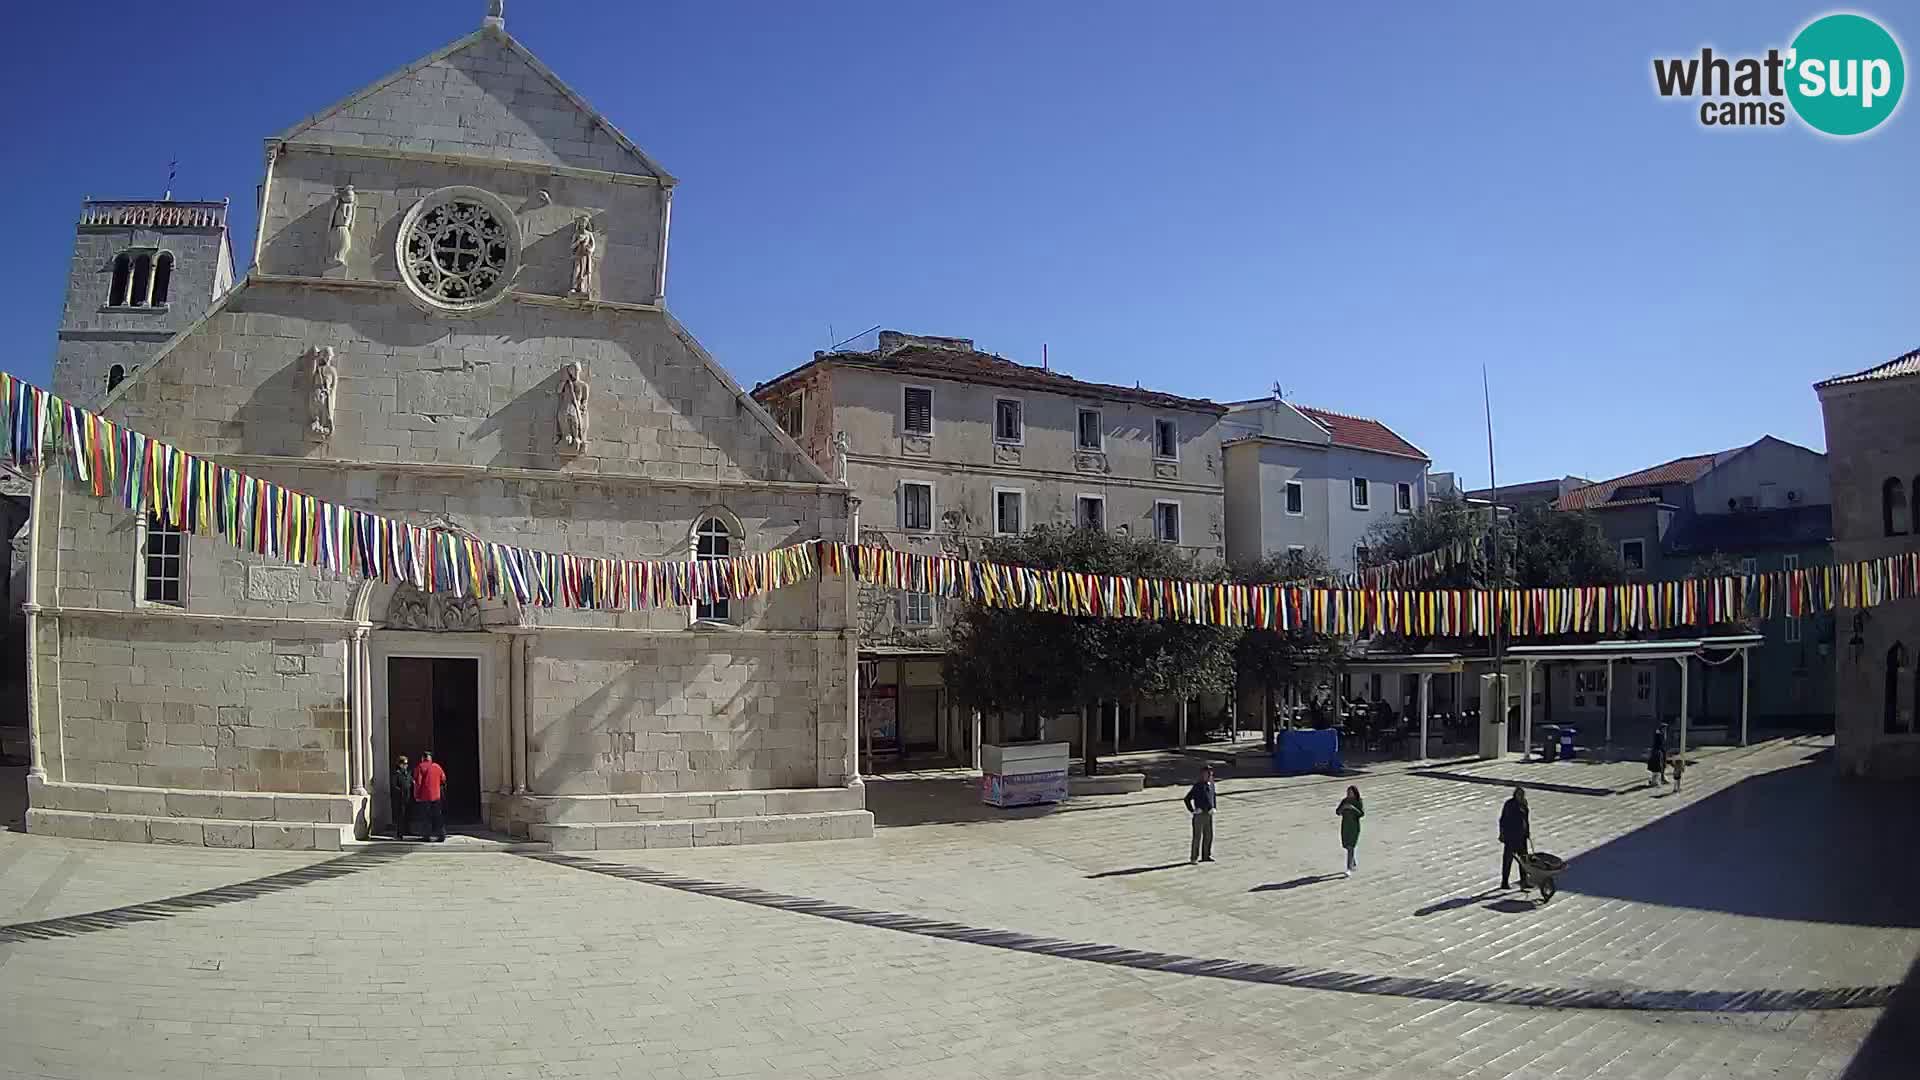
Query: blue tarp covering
[[1296, 752]]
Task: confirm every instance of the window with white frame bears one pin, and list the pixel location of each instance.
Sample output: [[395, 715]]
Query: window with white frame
[[1009, 511], [1091, 433], [712, 541], [1296, 497], [1361, 497], [1009, 421], [163, 564], [916, 609], [916, 410], [1166, 440], [1643, 686], [1634, 554], [1403, 498], [1790, 562], [1090, 512], [1748, 566], [1166, 521], [1362, 556], [916, 505], [1296, 549]]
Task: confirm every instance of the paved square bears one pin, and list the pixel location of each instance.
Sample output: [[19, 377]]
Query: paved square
[[1755, 924]]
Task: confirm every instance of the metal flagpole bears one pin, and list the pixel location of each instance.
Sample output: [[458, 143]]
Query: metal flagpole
[[1493, 577]]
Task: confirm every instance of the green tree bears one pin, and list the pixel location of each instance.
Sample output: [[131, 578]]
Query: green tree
[[1296, 660], [1039, 664]]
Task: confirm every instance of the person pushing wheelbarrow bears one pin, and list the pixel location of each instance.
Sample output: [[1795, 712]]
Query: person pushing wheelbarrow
[[1516, 840]]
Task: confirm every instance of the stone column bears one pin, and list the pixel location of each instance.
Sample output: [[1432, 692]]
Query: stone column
[[1426, 682], [36, 755], [850, 585], [517, 704], [360, 729]]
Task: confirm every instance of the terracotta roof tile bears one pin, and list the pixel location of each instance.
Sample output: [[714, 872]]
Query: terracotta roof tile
[[1596, 496], [1362, 433], [1908, 364]]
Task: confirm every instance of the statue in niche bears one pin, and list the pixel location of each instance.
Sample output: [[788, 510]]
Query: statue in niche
[[584, 248], [323, 382], [572, 416], [344, 202], [413, 609], [842, 447]]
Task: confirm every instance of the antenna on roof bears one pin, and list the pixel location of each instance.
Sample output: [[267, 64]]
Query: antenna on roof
[[173, 170], [1279, 392], [1044, 364]]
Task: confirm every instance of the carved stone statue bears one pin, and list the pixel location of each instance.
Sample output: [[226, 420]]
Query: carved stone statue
[[412, 609], [572, 415], [344, 202], [842, 446], [584, 247], [323, 383]]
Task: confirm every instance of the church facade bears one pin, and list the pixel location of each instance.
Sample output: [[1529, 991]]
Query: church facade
[[455, 315]]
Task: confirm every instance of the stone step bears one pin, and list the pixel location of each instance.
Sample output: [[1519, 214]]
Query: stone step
[[704, 832], [671, 806], [231, 806], [195, 832]]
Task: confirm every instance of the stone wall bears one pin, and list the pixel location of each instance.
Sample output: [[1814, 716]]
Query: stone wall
[[94, 336]]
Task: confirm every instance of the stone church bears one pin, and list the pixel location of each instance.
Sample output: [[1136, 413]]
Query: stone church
[[455, 315]]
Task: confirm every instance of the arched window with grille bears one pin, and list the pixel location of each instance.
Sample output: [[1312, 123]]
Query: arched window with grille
[[116, 375], [714, 538], [1897, 723], [122, 280], [1893, 507]]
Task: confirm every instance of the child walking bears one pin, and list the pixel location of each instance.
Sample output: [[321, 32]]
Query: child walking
[[1350, 811]]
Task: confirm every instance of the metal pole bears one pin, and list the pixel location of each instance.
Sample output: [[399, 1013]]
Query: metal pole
[[1683, 703], [1609, 741], [1746, 691], [1180, 739], [1493, 570], [1526, 713], [1426, 679]]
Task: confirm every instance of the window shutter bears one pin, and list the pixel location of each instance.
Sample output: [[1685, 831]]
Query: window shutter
[[919, 418]]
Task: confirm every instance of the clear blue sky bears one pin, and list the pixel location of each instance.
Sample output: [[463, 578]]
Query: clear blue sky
[[1362, 202]]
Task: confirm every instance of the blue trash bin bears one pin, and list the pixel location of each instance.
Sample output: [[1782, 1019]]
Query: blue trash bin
[[1566, 742]]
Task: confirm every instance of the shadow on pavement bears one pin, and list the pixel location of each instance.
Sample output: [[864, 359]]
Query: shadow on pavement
[[1495, 781], [1296, 883], [1132, 870], [1892, 1048], [1797, 843], [1456, 903], [94, 922], [1512, 907]]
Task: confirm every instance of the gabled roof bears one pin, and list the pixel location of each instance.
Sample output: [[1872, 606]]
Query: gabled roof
[[1600, 496], [1361, 433], [497, 88], [1898, 367], [974, 366]]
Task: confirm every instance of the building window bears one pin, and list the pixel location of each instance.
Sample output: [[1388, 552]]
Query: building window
[[1362, 557], [116, 375], [1893, 507], [122, 280], [1790, 562], [916, 609], [1361, 497], [790, 413], [916, 505], [1792, 635], [1092, 434], [916, 410], [1296, 497], [1748, 567], [1090, 512], [163, 564], [1009, 511], [1166, 440], [1166, 521], [1297, 549], [459, 249], [1897, 721], [1643, 687], [1403, 498], [1634, 554], [1009, 426], [712, 540], [162, 280]]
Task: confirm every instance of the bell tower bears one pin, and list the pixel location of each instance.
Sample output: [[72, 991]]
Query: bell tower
[[142, 271]]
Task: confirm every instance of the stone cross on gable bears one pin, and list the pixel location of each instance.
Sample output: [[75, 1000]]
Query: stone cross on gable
[[496, 14]]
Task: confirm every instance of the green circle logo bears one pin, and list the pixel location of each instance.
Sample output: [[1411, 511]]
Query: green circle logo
[[1845, 74]]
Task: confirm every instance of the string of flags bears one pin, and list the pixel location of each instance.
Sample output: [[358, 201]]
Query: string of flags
[[200, 496], [1412, 570]]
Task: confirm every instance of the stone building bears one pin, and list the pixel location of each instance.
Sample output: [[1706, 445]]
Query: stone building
[[947, 446], [455, 315], [1873, 441]]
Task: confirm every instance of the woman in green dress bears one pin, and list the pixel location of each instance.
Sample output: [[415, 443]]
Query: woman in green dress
[[1350, 811]]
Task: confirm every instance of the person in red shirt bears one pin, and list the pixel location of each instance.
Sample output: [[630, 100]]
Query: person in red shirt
[[429, 788]]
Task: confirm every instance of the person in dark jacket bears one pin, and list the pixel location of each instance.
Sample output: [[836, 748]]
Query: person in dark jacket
[[1200, 801], [1516, 831], [1350, 811], [1657, 758], [400, 789]]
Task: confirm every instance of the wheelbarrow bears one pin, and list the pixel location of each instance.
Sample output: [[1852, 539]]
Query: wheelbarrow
[[1542, 868]]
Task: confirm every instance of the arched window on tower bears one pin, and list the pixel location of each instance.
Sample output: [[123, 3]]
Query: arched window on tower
[[162, 277], [1893, 507], [116, 375], [122, 278], [1897, 722], [142, 280], [713, 539]]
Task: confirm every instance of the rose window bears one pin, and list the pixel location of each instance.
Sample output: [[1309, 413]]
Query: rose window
[[459, 248]]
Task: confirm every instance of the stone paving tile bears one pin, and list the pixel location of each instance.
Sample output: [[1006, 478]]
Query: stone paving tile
[[443, 965]]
